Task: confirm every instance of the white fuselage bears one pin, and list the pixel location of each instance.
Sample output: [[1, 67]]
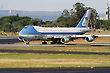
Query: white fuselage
[[37, 32]]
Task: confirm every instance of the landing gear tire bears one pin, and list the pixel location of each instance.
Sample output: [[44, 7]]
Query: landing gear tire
[[59, 42], [27, 43], [44, 42]]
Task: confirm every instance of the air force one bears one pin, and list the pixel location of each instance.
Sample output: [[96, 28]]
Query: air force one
[[59, 35]]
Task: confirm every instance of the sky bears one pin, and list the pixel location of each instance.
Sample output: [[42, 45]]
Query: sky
[[51, 5]]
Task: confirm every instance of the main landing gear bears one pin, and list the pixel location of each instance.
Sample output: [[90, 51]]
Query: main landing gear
[[58, 41], [44, 42], [27, 43]]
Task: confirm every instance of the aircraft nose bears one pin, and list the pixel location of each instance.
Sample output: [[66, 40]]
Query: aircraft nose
[[28, 30], [23, 31]]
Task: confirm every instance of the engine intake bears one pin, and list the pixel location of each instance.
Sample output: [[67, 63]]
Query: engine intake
[[64, 40], [89, 39]]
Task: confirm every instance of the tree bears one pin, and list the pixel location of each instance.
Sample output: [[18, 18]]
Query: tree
[[72, 17], [79, 10], [16, 23], [106, 24], [72, 12], [65, 13]]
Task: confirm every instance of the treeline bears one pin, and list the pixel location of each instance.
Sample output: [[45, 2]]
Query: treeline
[[69, 18], [16, 23], [105, 24]]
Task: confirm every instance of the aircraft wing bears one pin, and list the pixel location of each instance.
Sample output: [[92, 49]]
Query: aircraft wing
[[75, 36], [89, 38], [83, 36], [102, 35]]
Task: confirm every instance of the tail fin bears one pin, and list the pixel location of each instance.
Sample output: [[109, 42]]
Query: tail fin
[[85, 20]]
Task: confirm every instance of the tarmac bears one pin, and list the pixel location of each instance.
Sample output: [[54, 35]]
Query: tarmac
[[56, 70], [49, 45], [9, 42]]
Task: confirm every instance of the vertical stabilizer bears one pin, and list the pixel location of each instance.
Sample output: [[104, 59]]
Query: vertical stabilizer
[[85, 20]]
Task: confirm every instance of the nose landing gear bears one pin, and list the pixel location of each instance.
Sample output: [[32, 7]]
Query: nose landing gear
[[26, 41]]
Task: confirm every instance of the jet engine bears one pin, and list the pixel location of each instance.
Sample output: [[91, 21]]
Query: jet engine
[[89, 39], [64, 40]]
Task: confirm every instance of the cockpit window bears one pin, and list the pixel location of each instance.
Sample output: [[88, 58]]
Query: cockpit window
[[25, 27]]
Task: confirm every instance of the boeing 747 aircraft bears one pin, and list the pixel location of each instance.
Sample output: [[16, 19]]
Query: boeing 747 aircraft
[[58, 35]]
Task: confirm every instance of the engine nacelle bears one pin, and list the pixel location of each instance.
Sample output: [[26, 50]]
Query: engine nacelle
[[89, 39], [65, 40]]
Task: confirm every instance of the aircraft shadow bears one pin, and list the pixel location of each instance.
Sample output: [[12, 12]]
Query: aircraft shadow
[[8, 41], [51, 52], [94, 44]]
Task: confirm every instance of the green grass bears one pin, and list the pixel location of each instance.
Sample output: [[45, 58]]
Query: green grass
[[45, 60], [49, 56], [50, 60]]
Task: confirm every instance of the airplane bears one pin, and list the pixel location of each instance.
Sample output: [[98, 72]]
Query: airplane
[[59, 35]]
